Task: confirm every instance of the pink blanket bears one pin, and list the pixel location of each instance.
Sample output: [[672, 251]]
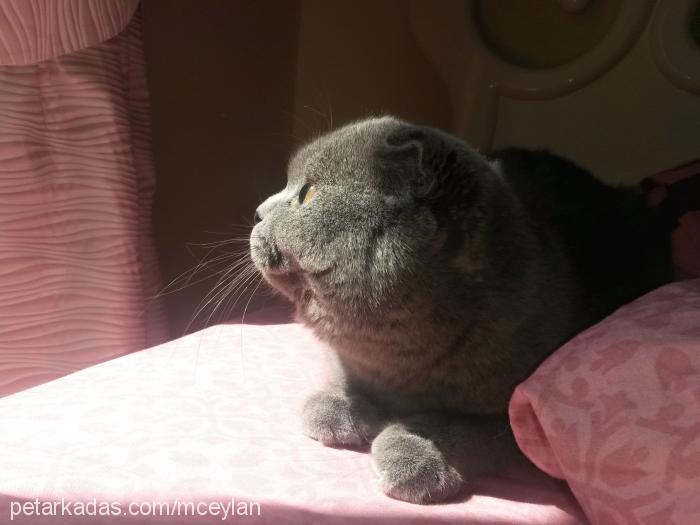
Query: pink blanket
[[616, 412], [210, 417]]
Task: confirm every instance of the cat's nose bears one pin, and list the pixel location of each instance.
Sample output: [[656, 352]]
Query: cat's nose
[[266, 207]]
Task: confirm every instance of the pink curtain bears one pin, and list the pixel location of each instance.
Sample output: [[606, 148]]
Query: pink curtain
[[78, 270]]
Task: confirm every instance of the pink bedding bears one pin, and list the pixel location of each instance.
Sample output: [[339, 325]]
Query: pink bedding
[[210, 417], [77, 267], [616, 412]]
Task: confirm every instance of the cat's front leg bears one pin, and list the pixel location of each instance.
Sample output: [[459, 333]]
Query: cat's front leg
[[340, 416], [429, 458]]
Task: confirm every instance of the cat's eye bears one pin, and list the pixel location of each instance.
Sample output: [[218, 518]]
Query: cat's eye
[[307, 193]]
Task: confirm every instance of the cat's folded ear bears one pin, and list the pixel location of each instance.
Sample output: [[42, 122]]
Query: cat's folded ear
[[405, 148]]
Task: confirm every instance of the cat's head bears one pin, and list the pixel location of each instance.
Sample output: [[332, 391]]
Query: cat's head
[[370, 211]]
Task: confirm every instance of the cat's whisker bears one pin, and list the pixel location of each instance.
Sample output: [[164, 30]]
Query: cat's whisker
[[245, 310], [232, 304], [228, 279], [296, 118], [232, 267], [231, 289], [230, 284], [320, 113], [215, 244], [177, 284], [330, 110]]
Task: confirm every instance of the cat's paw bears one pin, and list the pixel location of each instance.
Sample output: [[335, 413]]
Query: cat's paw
[[411, 468], [338, 420]]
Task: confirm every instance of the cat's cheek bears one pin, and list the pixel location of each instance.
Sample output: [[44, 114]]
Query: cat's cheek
[[257, 257], [261, 253]]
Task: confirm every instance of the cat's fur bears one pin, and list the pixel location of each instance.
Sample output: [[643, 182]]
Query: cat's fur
[[440, 279]]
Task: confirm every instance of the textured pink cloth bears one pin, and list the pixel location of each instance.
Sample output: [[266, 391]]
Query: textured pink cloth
[[616, 412], [212, 416], [77, 263], [32, 31]]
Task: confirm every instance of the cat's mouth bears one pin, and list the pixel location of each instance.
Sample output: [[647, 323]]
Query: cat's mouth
[[284, 271], [280, 270], [294, 282], [266, 257], [282, 265]]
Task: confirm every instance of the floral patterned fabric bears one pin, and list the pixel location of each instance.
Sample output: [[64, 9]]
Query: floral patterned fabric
[[616, 412]]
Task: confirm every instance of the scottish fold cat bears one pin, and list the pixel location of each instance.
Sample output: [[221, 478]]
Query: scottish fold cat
[[439, 279]]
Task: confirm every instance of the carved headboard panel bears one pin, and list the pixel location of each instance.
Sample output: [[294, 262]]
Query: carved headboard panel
[[621, 96]]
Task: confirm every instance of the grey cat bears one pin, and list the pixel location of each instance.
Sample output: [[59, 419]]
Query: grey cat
[[440, 279]]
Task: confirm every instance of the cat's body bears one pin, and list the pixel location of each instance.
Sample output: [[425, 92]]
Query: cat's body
[[440, 280]]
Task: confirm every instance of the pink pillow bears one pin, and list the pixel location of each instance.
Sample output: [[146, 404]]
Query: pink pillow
[[616, 412]]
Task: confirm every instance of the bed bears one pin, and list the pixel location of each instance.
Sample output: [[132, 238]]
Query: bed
[[212, 417]]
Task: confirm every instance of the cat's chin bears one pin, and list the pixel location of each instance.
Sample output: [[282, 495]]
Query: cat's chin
[[290, 284]]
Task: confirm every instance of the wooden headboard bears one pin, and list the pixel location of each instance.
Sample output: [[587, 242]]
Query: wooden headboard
[[616, 89]]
